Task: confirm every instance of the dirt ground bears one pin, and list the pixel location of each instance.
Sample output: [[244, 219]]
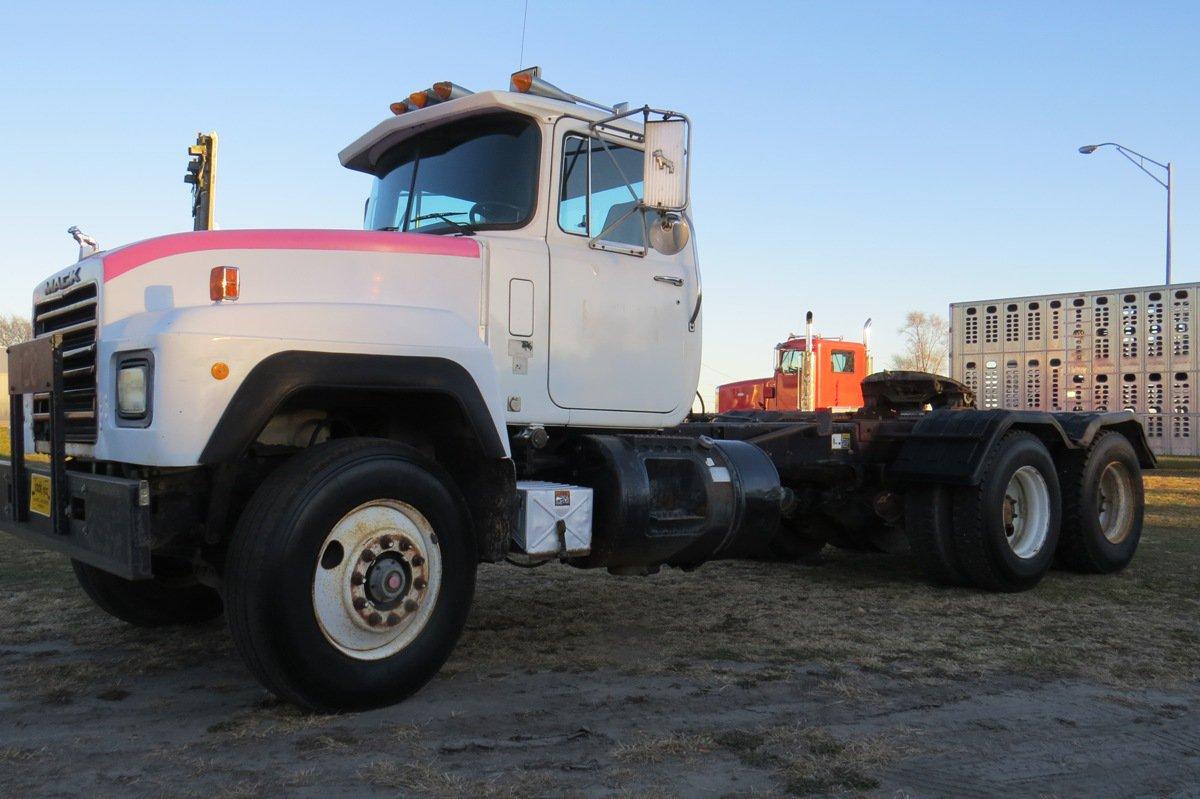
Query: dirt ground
[[739, 679]]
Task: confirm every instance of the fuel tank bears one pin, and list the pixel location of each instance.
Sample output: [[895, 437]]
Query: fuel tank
[[676, 500]]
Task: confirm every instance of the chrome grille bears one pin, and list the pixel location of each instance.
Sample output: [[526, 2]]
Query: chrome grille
[[73, 315]]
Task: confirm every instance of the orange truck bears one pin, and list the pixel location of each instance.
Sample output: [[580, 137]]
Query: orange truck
[[811, 373]]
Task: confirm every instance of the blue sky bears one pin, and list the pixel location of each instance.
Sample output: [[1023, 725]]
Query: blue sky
[[854, 159]]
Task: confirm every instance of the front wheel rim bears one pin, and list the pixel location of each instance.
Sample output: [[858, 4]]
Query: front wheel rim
[[1026, 512], [1114, 502], [376, 579]]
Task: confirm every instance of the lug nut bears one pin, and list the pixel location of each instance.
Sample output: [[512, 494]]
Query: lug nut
[[433, 538], [359, 603], [356, 579], [393, 620], [410, 605], [418, 560], [374, 618], [405, 545], [368, 556], [386, 542], [419, 584]]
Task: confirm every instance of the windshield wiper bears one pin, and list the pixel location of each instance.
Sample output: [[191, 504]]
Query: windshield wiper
[[466, 230]]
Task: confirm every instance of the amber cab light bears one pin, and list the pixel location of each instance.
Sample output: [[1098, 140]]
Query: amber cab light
[[523, 81], [224, 283]]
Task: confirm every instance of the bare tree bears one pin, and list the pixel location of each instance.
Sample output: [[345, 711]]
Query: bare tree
[[926, 343], [14, 329]]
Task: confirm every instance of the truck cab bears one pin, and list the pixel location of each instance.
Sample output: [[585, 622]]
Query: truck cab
[[831, 379], [587, 323]]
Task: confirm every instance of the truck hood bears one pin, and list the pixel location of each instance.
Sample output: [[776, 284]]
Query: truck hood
[[291, 266]]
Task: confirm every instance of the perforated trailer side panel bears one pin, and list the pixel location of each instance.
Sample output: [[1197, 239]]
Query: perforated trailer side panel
[[1106, 350]]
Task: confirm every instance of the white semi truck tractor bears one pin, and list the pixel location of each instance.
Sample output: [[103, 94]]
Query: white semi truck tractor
[[321, 433]]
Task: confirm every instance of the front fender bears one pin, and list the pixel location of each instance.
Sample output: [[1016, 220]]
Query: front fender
[[270, 351]]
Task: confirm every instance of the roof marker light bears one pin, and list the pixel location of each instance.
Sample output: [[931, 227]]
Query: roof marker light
[[446, 90], [399, 107], [529, 81]]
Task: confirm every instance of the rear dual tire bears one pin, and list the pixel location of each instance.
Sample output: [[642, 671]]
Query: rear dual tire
[[1026, 512], [1103, 505], [1006, 529]]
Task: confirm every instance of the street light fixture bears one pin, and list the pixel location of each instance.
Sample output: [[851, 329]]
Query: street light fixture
[[1140, 161]]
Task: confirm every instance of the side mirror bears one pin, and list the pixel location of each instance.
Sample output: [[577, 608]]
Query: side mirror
[[665, 165], [667, 232]]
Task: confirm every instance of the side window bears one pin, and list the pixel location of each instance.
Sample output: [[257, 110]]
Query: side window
[[595, 198], [790, 363], [842, 361]]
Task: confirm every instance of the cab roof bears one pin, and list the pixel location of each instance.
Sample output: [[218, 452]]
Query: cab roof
[[363, 153]]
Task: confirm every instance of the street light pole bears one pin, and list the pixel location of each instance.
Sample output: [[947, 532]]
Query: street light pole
[[1140, 161], [1170, 197]]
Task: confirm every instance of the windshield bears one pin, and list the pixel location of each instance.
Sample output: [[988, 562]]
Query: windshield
[[465, 176]]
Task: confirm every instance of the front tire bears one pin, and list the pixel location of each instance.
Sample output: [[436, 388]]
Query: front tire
[[1103, 506], [147, 603], [350, 575], [1006, 529]]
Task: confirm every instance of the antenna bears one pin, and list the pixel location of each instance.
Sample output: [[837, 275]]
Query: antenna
[[524, 19]]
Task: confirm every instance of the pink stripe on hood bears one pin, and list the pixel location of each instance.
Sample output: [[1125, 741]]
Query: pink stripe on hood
[[123, 259]]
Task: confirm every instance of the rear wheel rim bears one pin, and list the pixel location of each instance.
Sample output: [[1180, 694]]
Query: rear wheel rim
[[376, 579], [1114, 502], [1026, 512]]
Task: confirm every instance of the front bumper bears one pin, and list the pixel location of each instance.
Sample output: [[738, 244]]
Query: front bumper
[[100, 520]]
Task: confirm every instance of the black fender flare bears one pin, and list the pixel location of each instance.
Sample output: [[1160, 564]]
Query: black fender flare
[[281, 375], [949, 446]]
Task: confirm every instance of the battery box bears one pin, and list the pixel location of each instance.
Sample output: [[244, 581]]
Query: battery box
[[555, 519]]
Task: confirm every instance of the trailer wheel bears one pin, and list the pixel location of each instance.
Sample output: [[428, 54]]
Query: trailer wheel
[[350, 575], [147, 603], [929, 525], [1006, 528], [1103, 505]]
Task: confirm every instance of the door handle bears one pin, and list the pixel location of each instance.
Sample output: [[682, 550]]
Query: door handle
[[674, 281]]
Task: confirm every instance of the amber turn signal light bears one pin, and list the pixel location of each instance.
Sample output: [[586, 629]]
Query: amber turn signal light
[[224, 283], [220, 370]]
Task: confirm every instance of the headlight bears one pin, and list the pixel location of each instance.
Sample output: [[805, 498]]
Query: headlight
[[132, 382], [135, 375]]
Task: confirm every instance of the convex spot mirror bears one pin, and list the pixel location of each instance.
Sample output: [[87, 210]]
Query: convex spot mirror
[[667, 232]]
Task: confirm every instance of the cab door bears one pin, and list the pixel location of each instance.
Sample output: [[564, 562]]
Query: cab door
[[618, 310]]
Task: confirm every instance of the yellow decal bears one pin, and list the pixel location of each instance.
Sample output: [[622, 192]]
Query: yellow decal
[[39, 494]]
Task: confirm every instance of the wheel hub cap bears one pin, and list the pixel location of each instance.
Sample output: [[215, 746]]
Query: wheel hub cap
[[387, 581], [1115, 502], [1025, 512], [376, 579]]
